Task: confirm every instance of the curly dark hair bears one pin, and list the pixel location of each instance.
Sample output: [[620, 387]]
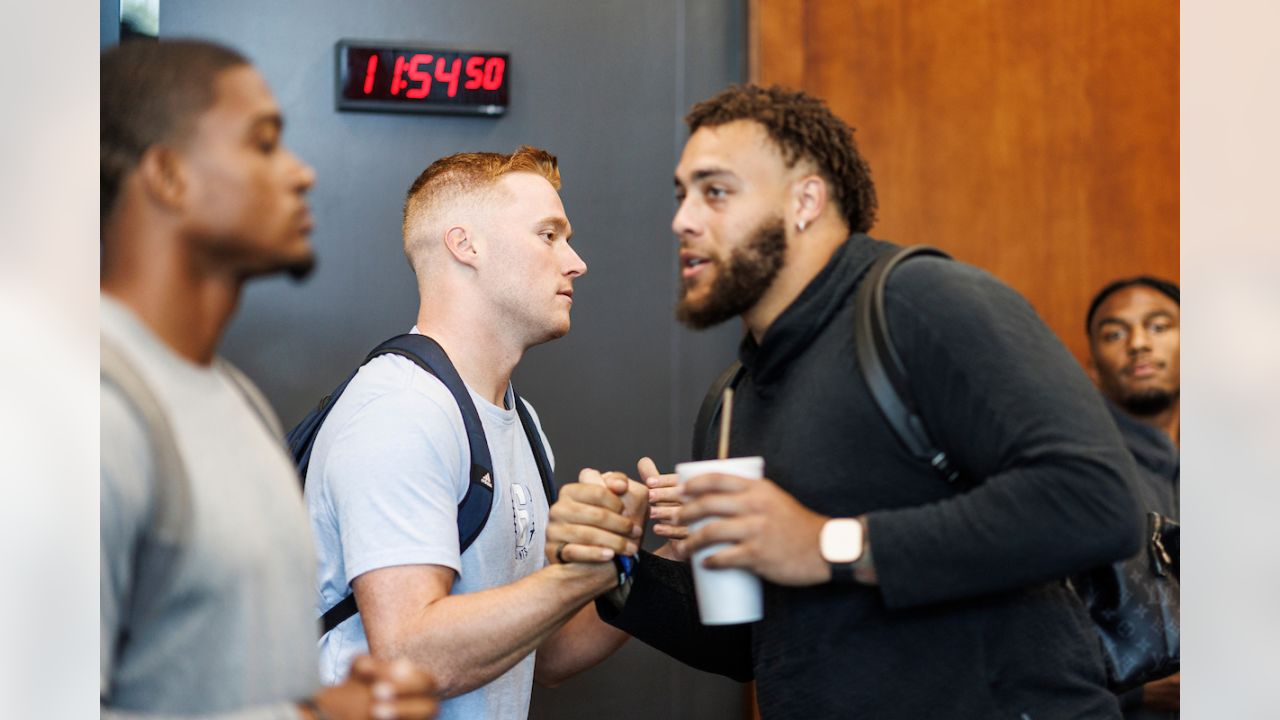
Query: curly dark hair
[[803, 128], [152, 92]]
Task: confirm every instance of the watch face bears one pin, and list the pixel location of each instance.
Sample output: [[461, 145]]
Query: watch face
[[841, 540]]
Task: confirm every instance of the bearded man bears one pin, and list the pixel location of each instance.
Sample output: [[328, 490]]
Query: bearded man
[[889, 592]]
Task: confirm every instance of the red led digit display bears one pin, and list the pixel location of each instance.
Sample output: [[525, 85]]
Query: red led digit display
[[402, 77]]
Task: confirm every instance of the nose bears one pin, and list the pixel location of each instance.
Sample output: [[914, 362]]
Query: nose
[[305, 176], [1139, 340], [685, 222], [575, 267]]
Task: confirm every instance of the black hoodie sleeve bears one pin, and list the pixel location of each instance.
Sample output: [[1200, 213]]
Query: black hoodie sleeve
[[662, 613], [1050, 477]]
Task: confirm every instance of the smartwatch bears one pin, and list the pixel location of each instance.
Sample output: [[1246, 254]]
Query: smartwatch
[[841, 544]]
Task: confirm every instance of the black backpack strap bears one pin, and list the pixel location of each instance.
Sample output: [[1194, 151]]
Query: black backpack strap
[[539, 450], [881, 367], [473, 511], [334, 616], [710, 410]]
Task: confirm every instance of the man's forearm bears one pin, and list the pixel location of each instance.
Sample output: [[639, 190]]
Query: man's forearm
[[661, 612], [467, 640], [579, 644], [1025, 525]]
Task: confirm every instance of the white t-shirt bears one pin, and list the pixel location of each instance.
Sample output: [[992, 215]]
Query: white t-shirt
[[388, 469]]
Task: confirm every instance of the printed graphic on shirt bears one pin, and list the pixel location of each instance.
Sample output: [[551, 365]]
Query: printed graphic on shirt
[[522, 515]]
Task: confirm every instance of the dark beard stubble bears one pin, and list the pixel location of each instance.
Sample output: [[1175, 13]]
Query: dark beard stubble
[[1148, 403], [739, 282]]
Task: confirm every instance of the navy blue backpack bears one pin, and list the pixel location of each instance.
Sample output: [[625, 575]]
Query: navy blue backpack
[[473, 511]]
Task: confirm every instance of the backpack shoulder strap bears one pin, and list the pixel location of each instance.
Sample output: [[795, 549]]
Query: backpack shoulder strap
[[709, 412], [539, 450], [473, 511], [169, 524], [256, 399], [882, 368]]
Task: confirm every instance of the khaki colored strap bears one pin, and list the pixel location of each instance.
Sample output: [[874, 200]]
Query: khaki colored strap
[[256, 399], [170, 486]]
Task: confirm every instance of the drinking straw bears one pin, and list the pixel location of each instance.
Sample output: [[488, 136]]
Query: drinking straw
[[726, 413]]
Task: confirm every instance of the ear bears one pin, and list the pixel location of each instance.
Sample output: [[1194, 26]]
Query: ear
[[163, 177], [460, 243], [809, 199]]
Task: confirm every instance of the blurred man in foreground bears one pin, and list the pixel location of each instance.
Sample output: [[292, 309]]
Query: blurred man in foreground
[[206, 560]]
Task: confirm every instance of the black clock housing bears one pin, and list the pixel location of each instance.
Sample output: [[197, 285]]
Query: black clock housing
[[407, 77]]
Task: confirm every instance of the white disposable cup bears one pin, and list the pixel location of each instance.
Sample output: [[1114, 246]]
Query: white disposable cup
[[726, 596]]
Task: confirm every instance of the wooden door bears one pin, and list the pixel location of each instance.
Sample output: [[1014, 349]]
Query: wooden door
[[1037, 139]]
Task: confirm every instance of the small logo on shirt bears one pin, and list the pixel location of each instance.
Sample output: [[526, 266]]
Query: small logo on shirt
[[520, 502], [486, 481]]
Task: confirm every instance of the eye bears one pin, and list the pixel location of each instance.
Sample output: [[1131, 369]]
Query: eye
[[1111, 335], [548, 235], [715, 192], [1160, 327]]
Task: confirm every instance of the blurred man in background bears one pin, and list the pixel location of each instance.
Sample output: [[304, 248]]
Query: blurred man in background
[[1134, 345]]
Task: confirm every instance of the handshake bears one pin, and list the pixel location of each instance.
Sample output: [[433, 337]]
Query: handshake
[[603, 516], [765, 529]]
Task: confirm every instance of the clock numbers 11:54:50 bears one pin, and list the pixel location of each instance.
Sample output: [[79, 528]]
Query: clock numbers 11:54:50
[[481, 73]]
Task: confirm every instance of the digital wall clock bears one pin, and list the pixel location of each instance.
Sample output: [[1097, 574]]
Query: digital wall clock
[[406, 77]]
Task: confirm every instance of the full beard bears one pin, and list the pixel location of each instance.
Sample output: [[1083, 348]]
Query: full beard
[[740, 281], [1148, 403]]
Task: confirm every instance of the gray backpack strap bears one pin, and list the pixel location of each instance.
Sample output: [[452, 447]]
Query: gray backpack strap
[[256, 399], [170, 521]]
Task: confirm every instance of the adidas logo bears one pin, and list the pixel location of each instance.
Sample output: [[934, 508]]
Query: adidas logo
[[486, 481]]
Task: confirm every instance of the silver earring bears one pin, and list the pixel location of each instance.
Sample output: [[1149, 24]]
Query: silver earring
[[800, 226]]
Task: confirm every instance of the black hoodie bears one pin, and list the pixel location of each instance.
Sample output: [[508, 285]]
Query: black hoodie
[[970, 619]]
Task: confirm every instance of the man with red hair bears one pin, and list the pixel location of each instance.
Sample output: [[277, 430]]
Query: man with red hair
[[488, 239]]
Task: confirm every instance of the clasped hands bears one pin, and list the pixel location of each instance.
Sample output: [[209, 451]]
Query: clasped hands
[[379, 689], [769, 532]]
